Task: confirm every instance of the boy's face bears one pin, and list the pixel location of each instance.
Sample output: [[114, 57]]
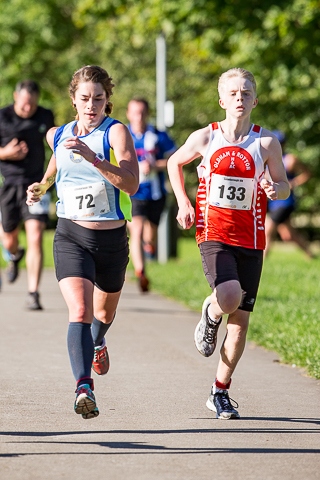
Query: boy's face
[[238, 97]]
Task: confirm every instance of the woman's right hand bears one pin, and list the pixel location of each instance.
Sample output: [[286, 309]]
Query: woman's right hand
[[35, 192]]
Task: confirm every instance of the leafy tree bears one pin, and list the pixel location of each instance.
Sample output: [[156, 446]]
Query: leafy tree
[[277, 40]]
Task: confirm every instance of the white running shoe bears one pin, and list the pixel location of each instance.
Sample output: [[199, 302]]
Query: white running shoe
[[205, 334]]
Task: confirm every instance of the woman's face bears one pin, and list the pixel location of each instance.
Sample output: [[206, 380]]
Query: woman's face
[[90, 101]]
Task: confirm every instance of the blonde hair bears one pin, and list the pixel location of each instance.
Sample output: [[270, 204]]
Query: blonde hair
[[95, 74], [236, 72]]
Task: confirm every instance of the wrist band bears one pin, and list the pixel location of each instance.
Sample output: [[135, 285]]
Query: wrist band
[[96, 162], [98, 159]]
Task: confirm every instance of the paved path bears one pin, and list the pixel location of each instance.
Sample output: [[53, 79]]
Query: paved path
[[153, 423]]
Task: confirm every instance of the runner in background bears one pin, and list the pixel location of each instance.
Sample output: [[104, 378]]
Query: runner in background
[[153, 148], [23, 126], [280, 211]]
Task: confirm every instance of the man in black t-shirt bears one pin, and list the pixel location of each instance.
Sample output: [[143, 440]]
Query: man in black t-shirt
[[23, 127]]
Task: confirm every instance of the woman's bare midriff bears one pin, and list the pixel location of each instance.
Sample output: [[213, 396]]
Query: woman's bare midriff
[[104, 225]]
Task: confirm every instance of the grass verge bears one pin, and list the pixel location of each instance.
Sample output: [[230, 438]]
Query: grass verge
[[285, 318]]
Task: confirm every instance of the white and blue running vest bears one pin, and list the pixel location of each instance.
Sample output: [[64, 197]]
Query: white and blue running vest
[[75, 171]]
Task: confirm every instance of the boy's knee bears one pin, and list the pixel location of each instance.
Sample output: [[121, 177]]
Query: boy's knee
[[229, 296]]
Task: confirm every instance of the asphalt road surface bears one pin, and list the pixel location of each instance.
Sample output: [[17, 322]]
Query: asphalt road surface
[[153, 422]]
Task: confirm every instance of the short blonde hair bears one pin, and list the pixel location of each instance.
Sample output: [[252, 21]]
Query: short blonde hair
[[236, 72]]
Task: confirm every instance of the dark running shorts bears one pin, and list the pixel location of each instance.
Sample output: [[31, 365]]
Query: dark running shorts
[[14, 208], [280, 215], [100, 256], [222, 263], [150, 209]]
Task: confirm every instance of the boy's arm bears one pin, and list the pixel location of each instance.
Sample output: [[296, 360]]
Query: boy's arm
[[193, 148]]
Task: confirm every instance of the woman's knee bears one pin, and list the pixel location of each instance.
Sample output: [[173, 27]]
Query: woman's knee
[[80, 313]]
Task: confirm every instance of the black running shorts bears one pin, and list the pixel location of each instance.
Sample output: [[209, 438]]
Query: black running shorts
[[100, 256], [14, 208], [222, 262], [281, 214], [150, 209]]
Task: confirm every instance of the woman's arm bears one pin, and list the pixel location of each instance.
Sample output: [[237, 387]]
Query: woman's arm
[[125, 175], [37, 189]]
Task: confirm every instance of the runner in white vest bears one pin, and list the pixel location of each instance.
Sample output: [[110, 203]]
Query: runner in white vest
[[95, 168]]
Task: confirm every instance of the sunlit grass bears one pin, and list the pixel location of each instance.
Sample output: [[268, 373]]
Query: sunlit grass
[[47, 249], [285, 318]]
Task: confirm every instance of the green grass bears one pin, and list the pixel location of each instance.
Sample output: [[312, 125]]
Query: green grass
[[47, 249], [181, 278], [285, 318]]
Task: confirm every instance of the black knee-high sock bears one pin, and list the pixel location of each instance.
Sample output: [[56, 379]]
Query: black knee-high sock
[[98, 330], [81, 350]]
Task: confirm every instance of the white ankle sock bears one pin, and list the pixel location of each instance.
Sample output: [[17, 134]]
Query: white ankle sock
[[213, 320]]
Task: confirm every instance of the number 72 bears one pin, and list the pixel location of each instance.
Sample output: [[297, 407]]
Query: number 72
[[89, 198]]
